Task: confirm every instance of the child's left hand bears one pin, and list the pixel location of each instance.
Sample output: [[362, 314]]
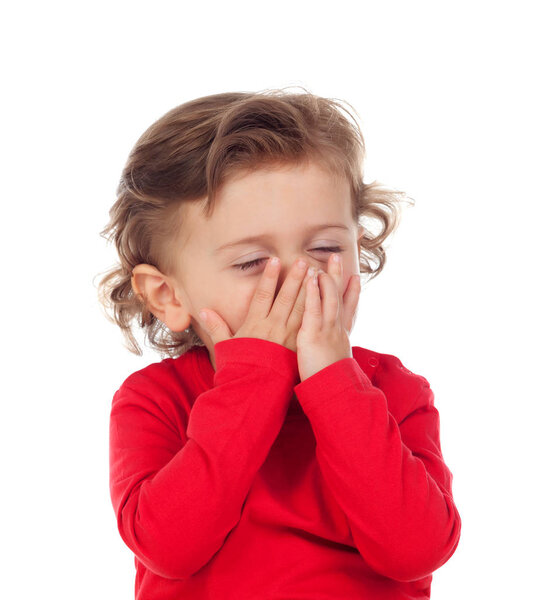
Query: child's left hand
[[323, 337]]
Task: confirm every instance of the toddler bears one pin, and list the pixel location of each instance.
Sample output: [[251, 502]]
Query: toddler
[[263, 457]]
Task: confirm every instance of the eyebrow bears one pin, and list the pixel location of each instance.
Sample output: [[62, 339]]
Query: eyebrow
[[258, 238]]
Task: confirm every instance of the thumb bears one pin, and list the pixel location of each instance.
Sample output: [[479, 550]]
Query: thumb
[[215, 326]]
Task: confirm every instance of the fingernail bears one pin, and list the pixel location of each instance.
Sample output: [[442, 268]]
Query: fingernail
[[335, 258], [203, 315]]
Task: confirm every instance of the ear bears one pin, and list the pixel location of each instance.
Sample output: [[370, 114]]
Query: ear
[[159, 292]]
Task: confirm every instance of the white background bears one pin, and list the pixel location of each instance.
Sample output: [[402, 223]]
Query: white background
[[456, 105]]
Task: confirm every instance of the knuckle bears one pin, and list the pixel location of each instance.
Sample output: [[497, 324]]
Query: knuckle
[[262, 295], [284, 299], [298, 310]]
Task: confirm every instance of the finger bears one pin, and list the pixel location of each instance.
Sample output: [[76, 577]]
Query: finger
[[350, 302], [330, 300], [263, 297], [296, 316], [335, 270], [215, 326], [285, 300], [312, 317]]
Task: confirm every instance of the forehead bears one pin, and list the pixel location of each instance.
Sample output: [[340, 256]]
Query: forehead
[[268, 200]]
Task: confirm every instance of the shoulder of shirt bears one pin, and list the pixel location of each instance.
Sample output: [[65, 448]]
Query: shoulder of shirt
[[158, 380], [398, 383]]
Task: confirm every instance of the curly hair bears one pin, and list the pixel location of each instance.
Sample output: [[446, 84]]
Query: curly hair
[[187, 155]]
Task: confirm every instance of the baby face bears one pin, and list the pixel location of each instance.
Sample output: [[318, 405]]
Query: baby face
[[291, 212]]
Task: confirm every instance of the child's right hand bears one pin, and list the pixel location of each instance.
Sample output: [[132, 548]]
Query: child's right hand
[[276, 321]]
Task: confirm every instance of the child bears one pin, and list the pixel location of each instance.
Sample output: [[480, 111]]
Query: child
[[264, 457]]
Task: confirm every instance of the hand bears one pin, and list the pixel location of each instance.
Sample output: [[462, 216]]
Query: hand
[[327, 322], [276, 321]]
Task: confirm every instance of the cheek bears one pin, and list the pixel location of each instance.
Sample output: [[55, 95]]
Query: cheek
[[235, 301]]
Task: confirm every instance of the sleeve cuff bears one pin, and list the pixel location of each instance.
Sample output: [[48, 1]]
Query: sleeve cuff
[[330, 382], [259, 353]]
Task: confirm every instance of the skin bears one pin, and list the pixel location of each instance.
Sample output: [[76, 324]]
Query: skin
[[281, 201]]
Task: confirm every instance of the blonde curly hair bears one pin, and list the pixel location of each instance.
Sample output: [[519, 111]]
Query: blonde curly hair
[[186, 156]]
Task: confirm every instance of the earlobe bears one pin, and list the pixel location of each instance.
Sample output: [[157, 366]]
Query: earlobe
[[157, 291]]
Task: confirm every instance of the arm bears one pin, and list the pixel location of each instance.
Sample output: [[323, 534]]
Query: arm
[[389, 478], [175, 502]]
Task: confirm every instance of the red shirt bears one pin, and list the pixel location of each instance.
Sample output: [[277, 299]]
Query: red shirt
[[245, 483]]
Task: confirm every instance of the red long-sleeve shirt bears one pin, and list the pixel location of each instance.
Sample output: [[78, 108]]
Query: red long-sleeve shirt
[[245, 483]]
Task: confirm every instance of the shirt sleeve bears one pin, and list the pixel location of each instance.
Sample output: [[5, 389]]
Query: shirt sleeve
[[389, 478], [176, 502]]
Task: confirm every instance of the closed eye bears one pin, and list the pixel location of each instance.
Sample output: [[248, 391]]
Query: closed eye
[[253, 263]]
